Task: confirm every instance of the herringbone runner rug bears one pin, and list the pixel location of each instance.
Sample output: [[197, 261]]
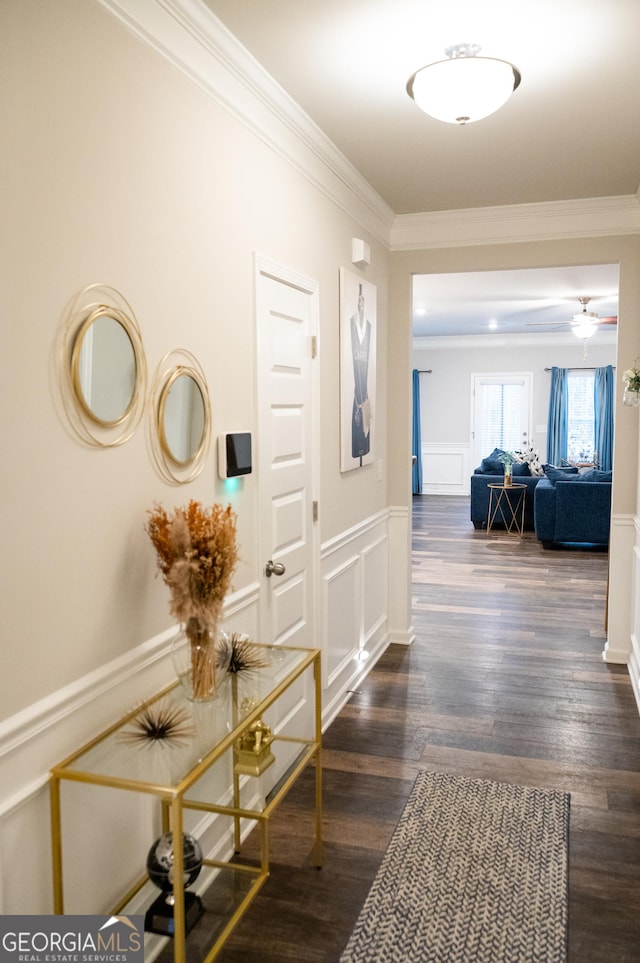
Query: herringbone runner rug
[[476, 872]]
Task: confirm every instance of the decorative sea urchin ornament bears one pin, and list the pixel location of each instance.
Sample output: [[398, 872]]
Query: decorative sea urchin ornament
[[165, 723], [241, 654]]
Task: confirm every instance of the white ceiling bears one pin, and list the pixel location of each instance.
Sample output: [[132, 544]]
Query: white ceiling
[[517, 301], [570, 131]]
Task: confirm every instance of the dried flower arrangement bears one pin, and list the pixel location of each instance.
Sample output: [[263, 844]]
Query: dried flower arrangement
[[165, 723], [197, 554]]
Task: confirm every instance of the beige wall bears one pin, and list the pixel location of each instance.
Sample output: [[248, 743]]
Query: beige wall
[[118, 169], [446, 392]]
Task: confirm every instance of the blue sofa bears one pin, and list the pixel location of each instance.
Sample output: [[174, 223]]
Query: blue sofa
[[571, 508]]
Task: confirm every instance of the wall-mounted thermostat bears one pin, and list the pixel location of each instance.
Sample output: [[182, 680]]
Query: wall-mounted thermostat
[[234, 454]]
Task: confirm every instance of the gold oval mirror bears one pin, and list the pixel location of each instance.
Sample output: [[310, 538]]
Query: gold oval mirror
[[182, 418], [104, 367]]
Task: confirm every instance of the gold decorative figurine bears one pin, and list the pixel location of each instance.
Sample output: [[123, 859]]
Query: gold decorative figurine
[[253, 750]]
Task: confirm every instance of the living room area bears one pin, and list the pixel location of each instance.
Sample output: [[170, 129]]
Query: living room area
[[527, 390]]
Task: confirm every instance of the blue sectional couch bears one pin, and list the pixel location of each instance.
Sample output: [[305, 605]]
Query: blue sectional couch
[[573, 508], [563, 505], [527, 471]]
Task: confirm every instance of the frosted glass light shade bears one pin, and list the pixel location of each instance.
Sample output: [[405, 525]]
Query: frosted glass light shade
[[463, 89], [584, 329]]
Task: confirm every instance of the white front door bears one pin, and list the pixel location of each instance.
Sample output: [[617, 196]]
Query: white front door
[[286, 318], [501, 416]]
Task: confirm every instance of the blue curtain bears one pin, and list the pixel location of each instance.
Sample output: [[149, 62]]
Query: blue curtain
[[557, 423], [603, 408], [416, 439]]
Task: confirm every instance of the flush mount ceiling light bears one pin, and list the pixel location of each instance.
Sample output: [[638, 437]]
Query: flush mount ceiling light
[[464, 88]]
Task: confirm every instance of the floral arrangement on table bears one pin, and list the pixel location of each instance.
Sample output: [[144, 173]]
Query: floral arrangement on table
[[631, 378], [197, 554], [508, 459]]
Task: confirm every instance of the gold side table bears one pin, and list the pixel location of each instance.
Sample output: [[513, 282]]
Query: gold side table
[[506, 504], [108, 761]]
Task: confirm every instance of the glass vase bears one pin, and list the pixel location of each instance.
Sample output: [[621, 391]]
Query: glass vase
[[631, 398], [194, 652]]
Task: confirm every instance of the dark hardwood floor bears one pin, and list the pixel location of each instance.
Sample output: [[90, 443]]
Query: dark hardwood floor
[[504, 681]]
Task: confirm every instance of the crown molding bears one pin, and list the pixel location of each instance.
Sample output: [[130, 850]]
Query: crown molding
[[479, 341], [188, 35], [547, 221], [192, 39]]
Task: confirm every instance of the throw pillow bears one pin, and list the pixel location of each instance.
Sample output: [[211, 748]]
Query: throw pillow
[[531, 457], [593, 475], [553, 473], [602, 476], [491, 466]]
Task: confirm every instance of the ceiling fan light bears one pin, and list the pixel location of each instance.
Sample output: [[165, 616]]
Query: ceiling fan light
[[464, 88], [584, 329], [588, 317]]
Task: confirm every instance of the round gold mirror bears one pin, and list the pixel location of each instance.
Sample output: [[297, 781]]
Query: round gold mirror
[[102, 367], [180, 418]]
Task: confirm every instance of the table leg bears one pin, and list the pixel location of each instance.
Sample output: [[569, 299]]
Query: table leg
[[56, 845], [179, 927], [318, 735]]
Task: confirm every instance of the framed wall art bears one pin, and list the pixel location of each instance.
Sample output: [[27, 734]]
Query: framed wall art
[[357, 370]]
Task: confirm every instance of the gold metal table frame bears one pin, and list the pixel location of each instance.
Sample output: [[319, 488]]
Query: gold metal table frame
[[101, 762], [509, 510]]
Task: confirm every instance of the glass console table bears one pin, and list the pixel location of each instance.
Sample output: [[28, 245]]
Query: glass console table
[[171, 772]]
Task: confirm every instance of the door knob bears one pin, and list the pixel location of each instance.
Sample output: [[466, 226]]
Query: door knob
[[274, 568]]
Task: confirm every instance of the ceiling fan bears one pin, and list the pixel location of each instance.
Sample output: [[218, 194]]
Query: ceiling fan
[[584, 323]]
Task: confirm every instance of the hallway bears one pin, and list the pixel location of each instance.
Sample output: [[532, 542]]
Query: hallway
[[504, 681]]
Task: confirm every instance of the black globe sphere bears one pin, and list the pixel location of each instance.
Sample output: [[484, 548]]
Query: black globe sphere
[[160, 861]]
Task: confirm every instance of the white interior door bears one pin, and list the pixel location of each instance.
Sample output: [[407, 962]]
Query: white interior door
[[286, 318], [501, 413]]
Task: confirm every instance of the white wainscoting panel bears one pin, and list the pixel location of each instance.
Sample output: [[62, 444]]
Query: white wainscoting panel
[[342, 617], [375, 577], [445, 469], [634, 658], [354, 617], [623, 537]]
